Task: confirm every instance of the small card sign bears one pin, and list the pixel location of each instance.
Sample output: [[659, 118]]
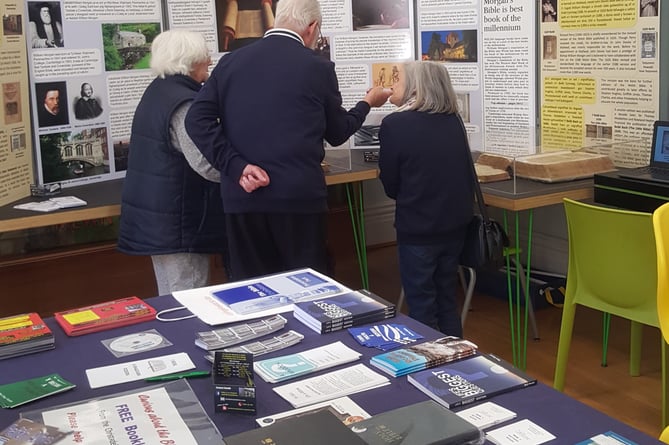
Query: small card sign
[[233, 382]]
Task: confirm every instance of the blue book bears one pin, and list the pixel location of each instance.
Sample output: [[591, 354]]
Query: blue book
[[423, 355], [343, 310], [469, 380]]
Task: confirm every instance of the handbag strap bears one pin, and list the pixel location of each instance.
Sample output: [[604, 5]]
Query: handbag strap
[[477, 186]]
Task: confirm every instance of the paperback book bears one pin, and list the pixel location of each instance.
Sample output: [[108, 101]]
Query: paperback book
[[24, 391], [24, 334], [342, 311], [423, 355], [469, 380], [103, 316], [424, 423]]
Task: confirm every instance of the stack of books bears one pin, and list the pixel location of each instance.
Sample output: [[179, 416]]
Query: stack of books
[[470, 380], [423, 355], [343, 311], [103, 316], [24, 334]]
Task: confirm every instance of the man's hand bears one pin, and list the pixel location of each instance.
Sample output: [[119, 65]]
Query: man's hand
[[377, 96], [253, 177]]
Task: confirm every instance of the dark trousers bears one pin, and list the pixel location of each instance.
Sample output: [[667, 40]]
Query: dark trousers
[[268, 243], [429, 279]]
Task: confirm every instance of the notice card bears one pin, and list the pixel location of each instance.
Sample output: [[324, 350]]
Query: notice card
[[138, 370]]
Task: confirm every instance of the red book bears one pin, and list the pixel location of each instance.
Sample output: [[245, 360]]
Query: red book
[[103, 316], [24, 334]]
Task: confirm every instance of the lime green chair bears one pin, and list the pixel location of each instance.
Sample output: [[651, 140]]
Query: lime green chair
[[664, 437], [612, 268], [661, 230]]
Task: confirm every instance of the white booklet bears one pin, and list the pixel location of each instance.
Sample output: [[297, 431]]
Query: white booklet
[[279, 369], [523, 432], [49, 205], [486, 415], [343, 408], [138, 370], [332, 385]]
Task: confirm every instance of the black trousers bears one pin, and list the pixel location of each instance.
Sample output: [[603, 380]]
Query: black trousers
[[268, 243]]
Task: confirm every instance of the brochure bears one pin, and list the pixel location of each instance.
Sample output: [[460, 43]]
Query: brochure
[[285, 367], [138, 370], [523, 432], [332, 385]]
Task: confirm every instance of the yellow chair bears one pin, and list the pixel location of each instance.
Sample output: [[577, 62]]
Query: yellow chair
[[664, 437], [661, 230], [612, 268]]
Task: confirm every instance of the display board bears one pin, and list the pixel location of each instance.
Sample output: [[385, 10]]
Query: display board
[[600, 76], [16, 173]]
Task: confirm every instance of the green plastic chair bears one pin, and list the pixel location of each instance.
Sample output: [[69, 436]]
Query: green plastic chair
[[661, 230], [612, 268]]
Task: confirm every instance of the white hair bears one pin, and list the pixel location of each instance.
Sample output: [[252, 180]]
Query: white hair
[[177, 52], [428, 88], [297, 15]]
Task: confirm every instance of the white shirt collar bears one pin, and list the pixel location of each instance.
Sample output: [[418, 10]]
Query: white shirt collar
[[285, 33]]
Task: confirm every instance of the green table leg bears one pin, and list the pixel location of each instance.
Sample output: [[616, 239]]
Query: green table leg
[[518, 319], [356, 209]]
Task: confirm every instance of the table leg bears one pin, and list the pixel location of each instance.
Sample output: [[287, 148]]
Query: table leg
[[518, 319], [356, 207]]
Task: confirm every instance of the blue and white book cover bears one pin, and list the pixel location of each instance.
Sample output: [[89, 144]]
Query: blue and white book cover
[[345, 306], [470, 379]]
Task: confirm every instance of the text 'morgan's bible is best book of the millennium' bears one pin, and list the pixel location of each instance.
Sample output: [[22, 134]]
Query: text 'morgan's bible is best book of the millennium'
[[342, 311], [469, 380]]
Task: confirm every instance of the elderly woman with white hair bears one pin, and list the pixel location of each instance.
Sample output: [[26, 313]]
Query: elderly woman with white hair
[[171, 206]]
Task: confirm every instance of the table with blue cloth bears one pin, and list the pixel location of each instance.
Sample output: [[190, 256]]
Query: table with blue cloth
[[571, 421]]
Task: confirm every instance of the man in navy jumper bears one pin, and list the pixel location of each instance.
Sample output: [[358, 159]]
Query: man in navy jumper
[[261, 120]]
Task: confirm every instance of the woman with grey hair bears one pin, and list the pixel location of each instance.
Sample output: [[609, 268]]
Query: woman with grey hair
[[424, 168], [171, 205]]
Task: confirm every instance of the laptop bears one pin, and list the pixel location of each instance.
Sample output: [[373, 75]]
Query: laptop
[[658, 169]]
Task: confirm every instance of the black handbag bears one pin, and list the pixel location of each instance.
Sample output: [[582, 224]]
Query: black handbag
[[485, 239]]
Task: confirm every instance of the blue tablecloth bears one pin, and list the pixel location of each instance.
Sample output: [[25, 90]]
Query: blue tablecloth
[[568, 419]]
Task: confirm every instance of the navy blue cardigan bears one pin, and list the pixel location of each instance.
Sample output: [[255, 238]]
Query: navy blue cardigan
[[276, 101], [424, 168]]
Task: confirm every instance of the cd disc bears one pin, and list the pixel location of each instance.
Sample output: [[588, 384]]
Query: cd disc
[[142, 341]]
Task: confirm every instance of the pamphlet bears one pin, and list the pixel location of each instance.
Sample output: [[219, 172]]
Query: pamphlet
[[138, 370], [523, 432], [49, 205], [285, 367], [24, 391], [233, 381], [344, 408], [332, 385], [607, 438], [486, 415]]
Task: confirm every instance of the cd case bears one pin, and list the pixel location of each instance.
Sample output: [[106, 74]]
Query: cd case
[[135, 343]]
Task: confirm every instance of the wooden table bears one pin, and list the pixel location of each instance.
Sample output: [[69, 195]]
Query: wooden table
[[518, 195]]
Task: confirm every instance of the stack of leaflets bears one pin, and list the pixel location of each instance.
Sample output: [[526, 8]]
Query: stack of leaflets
[[257, 348], [423, 355], [279, 369], [103, 316], [469, 380], [384, 336], [232, 335], [24, 334], [342, 311], [24, 391]]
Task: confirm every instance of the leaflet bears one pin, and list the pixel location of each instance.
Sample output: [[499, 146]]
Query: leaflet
[[286, 367], [138, 370], [344, 408], [332, 385]]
